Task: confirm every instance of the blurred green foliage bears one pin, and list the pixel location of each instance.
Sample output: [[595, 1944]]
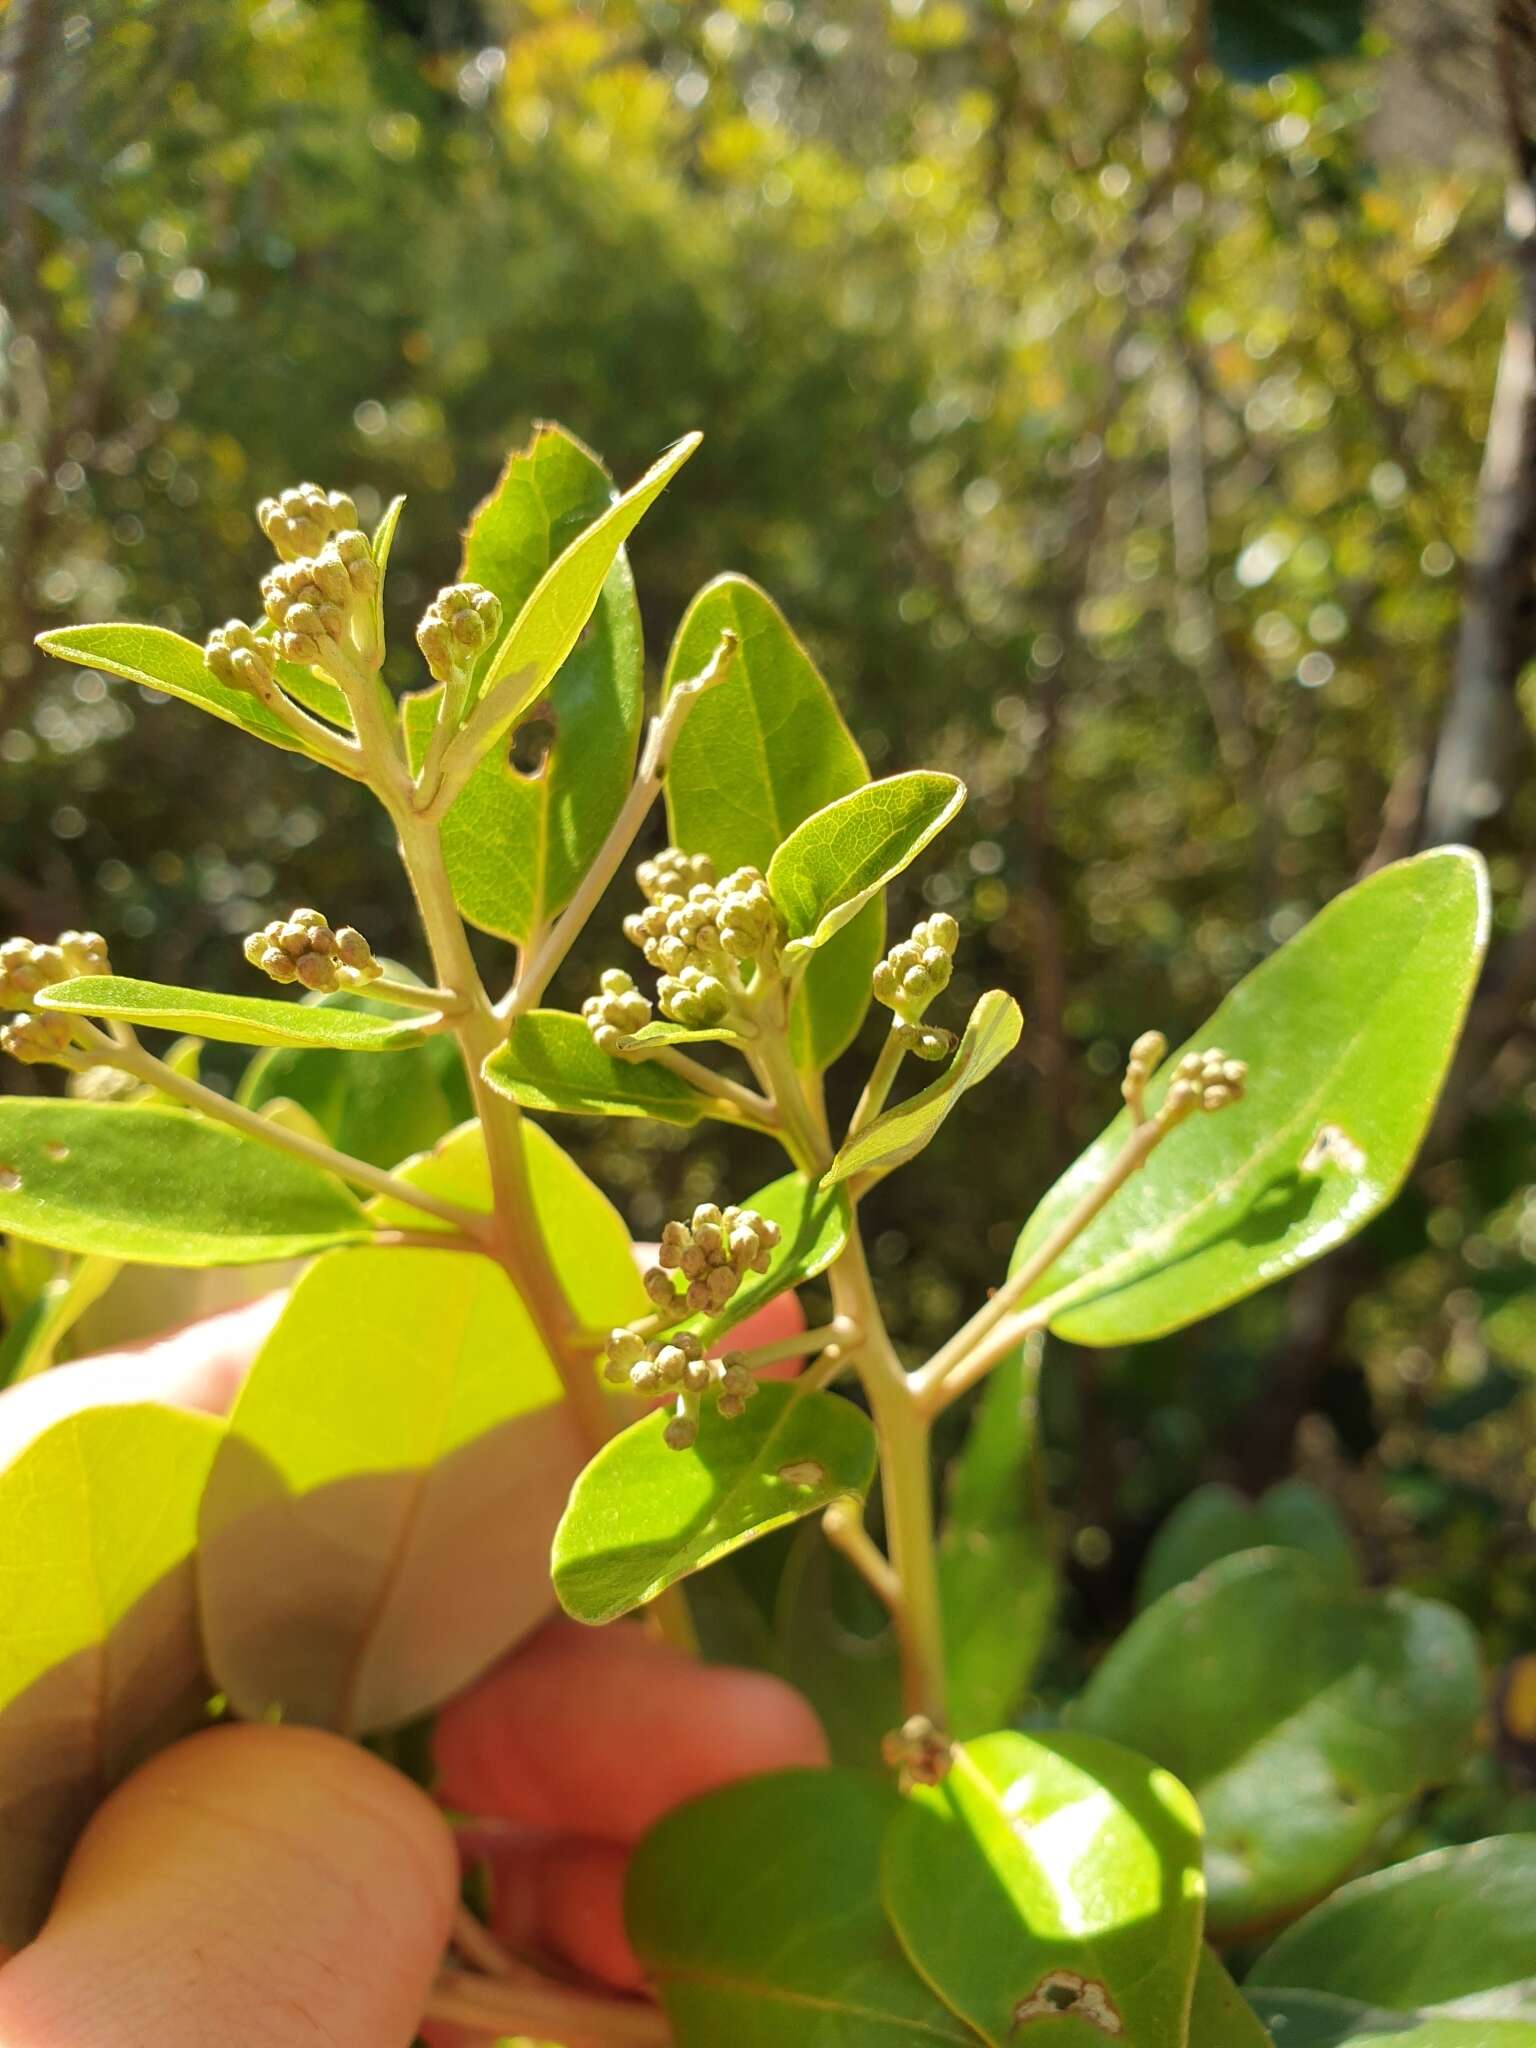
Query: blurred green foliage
[[1109, 426]]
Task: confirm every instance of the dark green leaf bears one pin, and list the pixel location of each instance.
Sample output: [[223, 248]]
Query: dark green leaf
[[1255, 39], [1051, 1878], [161, 1187], [834, 1642], [552, 1062], [1216, 1521], [1303, 1714], [1312, 2019], [758, 754], [243, 1020], [642, 1516], [756, 1913], [1347, 1032], [839, 858]]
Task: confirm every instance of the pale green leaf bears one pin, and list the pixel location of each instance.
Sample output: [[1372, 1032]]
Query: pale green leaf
[[1314, 2019], [660, 1032], [100, 1662], [383, 547], [552, 1062], [1216, 1521], [376, 1526], [1052, 1882], [1347, 1032], [243, 1020], [839, 858], [33, 1336], [642, 1516], [134, 1181], [1303, 1714], [899, 1134], [757, 755]]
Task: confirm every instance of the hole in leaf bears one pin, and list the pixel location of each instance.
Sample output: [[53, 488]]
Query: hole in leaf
[[529, 749], [54, 1150], [805, 1472], [1063, 1991], [10, 1180]]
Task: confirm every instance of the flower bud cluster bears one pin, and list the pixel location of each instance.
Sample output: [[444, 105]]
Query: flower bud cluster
[[240, 660], [25, 967], [676, 1365], [711, 1254], [313, 601], [304, 948], [694, 923], [673, 873], [694, 998], [36, 1037], [457, 627], [302, 520], [914, 972], [1203, 1080], [617, 1011]]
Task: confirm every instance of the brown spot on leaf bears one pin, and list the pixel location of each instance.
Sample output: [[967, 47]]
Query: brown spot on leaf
[[1060, 1992], [10, 1179], [55, 1151], [804, 1472]]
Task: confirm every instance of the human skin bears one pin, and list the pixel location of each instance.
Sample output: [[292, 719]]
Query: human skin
[[267, 1887]]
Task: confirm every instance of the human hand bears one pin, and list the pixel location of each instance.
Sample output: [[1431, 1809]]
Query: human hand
[[272, 1887]]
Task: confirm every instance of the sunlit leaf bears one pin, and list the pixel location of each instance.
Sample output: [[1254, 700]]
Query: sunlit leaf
[[839, 858], [1347, 1032], [552, 1062], [1216, 1521], [642, 1516], [1302, 1713], [132, 1181], [244, 1020], [100, 1662], [756, 1913], [1048, 1878], [376, 1526], [1220, 2016], [1314, 2019]]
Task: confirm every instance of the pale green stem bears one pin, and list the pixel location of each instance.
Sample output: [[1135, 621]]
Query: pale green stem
[[329, 746], [752, 1108], [841, 1333], [882, 1076], [411, 996]]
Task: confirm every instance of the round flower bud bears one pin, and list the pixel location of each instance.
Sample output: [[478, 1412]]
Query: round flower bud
[[237, 658], [682, 1432], [673, 873], [658, 1287], [38, 1038], [457, 627], [84, 952], [25, 967], [302, 520]]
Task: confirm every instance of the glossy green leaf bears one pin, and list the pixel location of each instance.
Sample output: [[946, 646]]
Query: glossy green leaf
[[997, 1577], [758, 754], [162, 660], [243, 1020], [547, 627], [834, 1642], [1217, 1521], [756, 1913], [642, 1516], [660, 1032], [99, 1656], [1347, 1032], [158, 1186], [378, 1110], [587, 1239], [552, 1062], [1220, 2016], [813, 1222], [1313, 2019], [1454, 1931], [1052, 1883], [375, 1529], [1255, 39], [518, 841], [839, 858], [899, 1134], [1302, 1713]]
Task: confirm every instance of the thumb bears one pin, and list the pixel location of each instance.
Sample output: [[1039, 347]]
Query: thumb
[[253, 1886]]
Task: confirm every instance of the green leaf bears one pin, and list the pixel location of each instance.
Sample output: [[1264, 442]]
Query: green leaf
[[517, 843], [1220, 2016], [158, 1186], [244, 1020], [756, 1913], [543, 633], [383, 544], [834, 1642], [1216, 1521], [1312, 2019], [1051, 1881], [33, 1337], [757, 755], [100, 1663], [1255, 39], [1347, 1032], [642, 1516], [660, 1032], [162, 660], [899, 1134], [997, 1577], [814, 1223], [587, 1239], [375, 1529], [1454, 1931], [1302, 1713], [841, 857], [378, 1110], [552, 1062]]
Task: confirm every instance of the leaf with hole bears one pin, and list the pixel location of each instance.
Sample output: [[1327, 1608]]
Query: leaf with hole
[[642, 1516], [134, 1181], [755, 1911], [839, 858], [760, 752], [100, 1662], [1216, 1521], [1347, 1031], [376, 1526], [814, 1223], [518, 838], [552, 1062], [242, 1020], [1051, 1879], [1303, 1714], [899, 1134]]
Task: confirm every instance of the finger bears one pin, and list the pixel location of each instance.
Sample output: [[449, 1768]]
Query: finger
[[564, 1895], [600, 1731], [200, 1366], [251, 1886]]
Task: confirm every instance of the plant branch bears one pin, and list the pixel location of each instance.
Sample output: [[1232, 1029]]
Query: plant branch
[[882, 1077], [756, 1109], [843, 1526], [411, 995]]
